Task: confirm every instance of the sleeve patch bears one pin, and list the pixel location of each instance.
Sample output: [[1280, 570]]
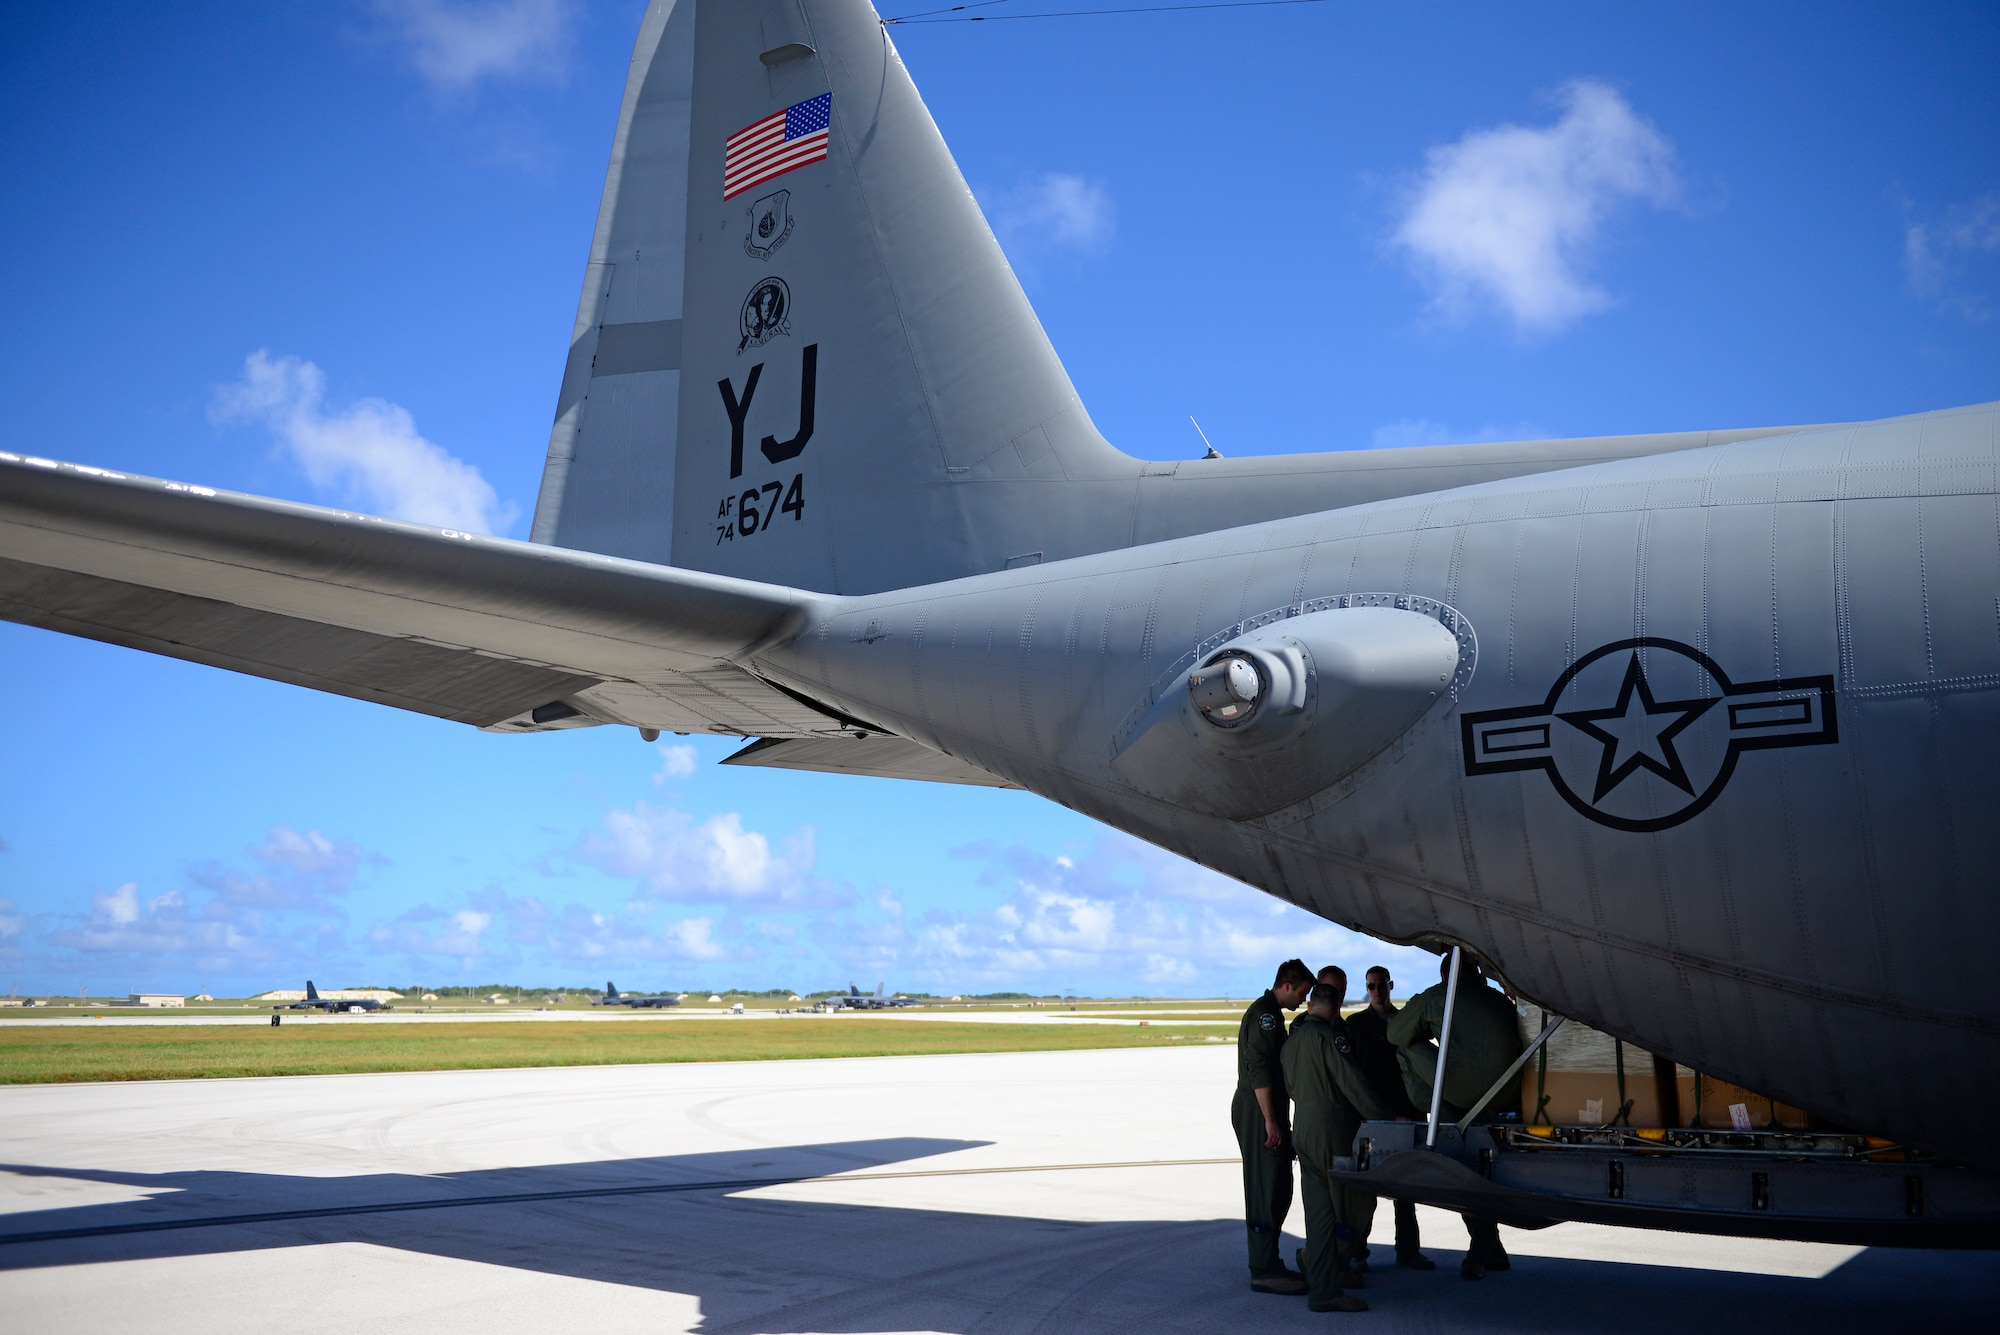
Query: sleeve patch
[[1267, 1022]]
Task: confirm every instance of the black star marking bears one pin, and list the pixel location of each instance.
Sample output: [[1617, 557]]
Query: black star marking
[[1762, 716], [1623, 728]]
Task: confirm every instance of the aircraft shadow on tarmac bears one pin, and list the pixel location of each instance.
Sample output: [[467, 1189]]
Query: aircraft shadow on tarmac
[[682, 1224]]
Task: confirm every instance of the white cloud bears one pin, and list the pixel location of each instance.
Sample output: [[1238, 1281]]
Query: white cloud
[[1940, 257], [1420, 431], [455, 44], [1108, 916], [167, 925], [287, 906], [1116, 916], [299, 870], [368, 453], [431, 931], [717, 860], [577, 934], [523, 932], [311, 853], [695, 939], [1055, 211], [120, 907], [471, 922], [678, 760], [1511, 216]]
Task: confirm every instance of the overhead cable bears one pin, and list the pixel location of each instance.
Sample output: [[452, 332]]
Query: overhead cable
[[954, 15]]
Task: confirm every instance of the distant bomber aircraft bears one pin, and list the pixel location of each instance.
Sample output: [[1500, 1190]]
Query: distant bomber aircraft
[[613, 997], [855, 999], [1694, 737], [315, 1002]]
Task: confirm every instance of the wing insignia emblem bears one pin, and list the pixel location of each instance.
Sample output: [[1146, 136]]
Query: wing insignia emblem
[[1643, 734]]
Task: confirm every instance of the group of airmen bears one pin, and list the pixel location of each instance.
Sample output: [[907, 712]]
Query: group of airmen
[[1304, 1092]]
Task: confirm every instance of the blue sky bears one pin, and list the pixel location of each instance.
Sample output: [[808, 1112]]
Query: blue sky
[[1312, 227]]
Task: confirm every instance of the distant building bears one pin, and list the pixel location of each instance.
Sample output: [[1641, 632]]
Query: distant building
[[331, 994], [430, 996], [153, 999], [201, 996]]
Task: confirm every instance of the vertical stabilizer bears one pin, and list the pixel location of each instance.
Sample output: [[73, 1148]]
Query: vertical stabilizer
[[312, 993], [608, 485], [801, 356]]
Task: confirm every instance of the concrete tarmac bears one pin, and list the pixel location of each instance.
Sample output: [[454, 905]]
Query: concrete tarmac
[[1045, 1192]]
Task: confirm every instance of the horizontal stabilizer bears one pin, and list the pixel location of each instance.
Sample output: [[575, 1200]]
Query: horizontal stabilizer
[[481, 630], [873, 755]]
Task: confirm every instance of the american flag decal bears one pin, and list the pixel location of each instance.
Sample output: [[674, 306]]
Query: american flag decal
[[773, 146]]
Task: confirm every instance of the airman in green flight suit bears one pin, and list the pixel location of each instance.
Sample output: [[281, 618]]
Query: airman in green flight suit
[[1331, 1097], [1259, 1113], [1485, 1040]]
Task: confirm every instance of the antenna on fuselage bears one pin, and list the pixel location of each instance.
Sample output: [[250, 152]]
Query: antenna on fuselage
[[1213, 453]]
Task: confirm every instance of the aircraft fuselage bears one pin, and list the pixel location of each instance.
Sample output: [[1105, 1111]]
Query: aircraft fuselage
[[1716, 772]]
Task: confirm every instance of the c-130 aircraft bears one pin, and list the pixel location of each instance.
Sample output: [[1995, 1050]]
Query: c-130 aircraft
[[1692, 737]]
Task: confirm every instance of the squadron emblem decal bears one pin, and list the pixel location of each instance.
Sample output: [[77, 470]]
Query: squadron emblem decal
[[766, 313], [770, 225], [1644, 733]]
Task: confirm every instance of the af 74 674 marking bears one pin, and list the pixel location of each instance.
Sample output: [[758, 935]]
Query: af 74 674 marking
[[758, 508]]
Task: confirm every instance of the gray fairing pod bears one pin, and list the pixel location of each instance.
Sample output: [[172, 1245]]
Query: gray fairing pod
[[1330, 690]]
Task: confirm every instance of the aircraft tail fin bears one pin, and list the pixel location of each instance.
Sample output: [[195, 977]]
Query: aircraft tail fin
[[800, 354], [312, 993], [610, 990]]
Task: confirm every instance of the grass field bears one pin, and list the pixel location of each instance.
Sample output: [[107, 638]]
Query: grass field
[[182, 1052]]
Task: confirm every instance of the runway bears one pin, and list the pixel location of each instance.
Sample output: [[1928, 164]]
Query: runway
[[1048, 1192], [109, 1019]]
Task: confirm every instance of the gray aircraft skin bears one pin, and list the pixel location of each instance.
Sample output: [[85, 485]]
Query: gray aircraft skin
[[613, 997], [1692, 737], [313, 1001]]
